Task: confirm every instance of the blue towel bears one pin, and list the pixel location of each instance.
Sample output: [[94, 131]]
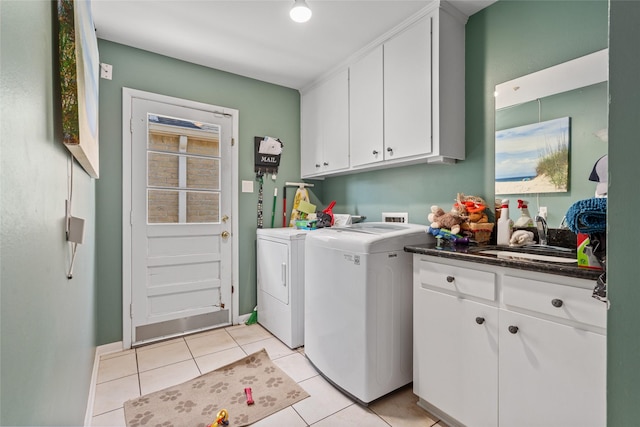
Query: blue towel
[[588, 216]]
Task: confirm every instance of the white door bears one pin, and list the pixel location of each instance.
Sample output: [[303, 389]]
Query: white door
[[407, 92], [456, 356], [181, 198], [550, 374], [366, 106]]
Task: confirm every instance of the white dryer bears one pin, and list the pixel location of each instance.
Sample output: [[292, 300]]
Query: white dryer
[[359, 306], [280, 277]]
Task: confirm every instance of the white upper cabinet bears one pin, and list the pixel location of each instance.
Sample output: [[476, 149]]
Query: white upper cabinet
[[407, 92], [403, 101], [366, 109], [325, 127]]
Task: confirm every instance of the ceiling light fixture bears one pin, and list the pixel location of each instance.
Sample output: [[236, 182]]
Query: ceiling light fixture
[[300, 12]]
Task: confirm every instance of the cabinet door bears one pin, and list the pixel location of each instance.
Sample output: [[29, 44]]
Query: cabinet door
[[550, 374], [310, 144], [456, 356], [334, 122], [366, 137], [407, 92]]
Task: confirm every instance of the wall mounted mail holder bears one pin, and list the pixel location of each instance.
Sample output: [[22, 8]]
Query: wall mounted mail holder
[[267, 152]]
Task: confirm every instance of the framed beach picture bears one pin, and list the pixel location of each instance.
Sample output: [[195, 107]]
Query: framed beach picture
[[533, 158], [79, 73]]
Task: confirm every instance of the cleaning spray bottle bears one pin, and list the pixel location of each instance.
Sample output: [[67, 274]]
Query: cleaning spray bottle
[[525, 218], [505, 224]]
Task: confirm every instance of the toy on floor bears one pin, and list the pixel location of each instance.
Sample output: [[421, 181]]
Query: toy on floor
[[222, 419], [247, 391]]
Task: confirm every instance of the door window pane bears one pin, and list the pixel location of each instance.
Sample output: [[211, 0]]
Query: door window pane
[[162, 207], [183, 171]]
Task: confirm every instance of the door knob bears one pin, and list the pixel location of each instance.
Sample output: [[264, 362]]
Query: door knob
[[450, 279], [479, 320], [225, 234], [557, 302], [390, 150], [513, 329], [375, 152]]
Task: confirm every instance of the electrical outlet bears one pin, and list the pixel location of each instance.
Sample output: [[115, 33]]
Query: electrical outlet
[[543, 212], [106, 71]]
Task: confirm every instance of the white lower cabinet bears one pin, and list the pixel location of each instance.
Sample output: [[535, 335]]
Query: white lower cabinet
[[550, 374], [456, 356], [533, 356]]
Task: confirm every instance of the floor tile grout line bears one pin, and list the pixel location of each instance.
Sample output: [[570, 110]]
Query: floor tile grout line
[[139, 380], [193, 358]]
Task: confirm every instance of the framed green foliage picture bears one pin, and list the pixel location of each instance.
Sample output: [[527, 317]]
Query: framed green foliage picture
[[79, 73]]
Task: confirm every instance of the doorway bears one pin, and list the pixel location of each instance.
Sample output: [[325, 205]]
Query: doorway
[[179, 217]]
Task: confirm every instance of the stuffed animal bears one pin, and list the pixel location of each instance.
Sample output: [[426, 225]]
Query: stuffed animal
[[474, 218], [441, 219]]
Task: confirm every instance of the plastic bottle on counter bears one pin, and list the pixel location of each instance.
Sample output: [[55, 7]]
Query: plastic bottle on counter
[[525, 218], [505, 224]]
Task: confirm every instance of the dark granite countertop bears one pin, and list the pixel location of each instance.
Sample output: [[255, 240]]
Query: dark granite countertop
[[470, 254]]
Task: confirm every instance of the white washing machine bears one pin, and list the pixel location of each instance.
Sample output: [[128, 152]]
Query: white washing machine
[[359, 306], [280, 276]]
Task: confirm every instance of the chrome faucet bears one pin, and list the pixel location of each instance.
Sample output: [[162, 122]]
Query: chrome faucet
[[541, 225]]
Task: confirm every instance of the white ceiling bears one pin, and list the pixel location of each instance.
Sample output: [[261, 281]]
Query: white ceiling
[[256, 38]]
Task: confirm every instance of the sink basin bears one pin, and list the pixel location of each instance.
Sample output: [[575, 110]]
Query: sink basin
[[525, 256], [542, 248], [529, 249]]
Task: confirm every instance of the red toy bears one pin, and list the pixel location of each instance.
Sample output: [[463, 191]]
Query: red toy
[[247, 391]]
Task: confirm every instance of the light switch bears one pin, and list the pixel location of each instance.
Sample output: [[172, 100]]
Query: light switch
[[247, 186]]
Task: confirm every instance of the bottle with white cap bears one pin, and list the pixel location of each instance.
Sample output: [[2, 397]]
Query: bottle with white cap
[[505, 224]]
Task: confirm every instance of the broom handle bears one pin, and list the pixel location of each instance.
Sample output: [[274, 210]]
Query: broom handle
[[284, 206], [273, 210]]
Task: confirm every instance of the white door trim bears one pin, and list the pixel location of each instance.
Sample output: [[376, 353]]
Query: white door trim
[[127, 97]]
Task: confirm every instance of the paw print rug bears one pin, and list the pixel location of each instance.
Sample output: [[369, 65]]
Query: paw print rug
[[197, 402]]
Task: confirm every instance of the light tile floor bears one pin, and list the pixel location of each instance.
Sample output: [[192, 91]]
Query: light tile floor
[[132, 373]]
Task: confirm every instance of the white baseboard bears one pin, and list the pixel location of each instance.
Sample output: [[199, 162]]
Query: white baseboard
[[113, 347]]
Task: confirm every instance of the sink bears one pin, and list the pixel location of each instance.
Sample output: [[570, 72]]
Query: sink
[[542, 248], [536, 253], [526, 256]]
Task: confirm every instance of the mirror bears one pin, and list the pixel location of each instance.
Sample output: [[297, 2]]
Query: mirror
[[551, 128]]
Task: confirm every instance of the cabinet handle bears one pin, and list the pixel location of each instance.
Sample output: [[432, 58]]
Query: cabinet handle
[[557, 303], [326, 164], [375, 152], [317, 165], [450, 279], [390, 150], [513, 329], [479, 320]]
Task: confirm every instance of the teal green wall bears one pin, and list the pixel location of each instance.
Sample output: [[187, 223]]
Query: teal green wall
[[504, 41], [623, 341], [265, 109], [47, 322]]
